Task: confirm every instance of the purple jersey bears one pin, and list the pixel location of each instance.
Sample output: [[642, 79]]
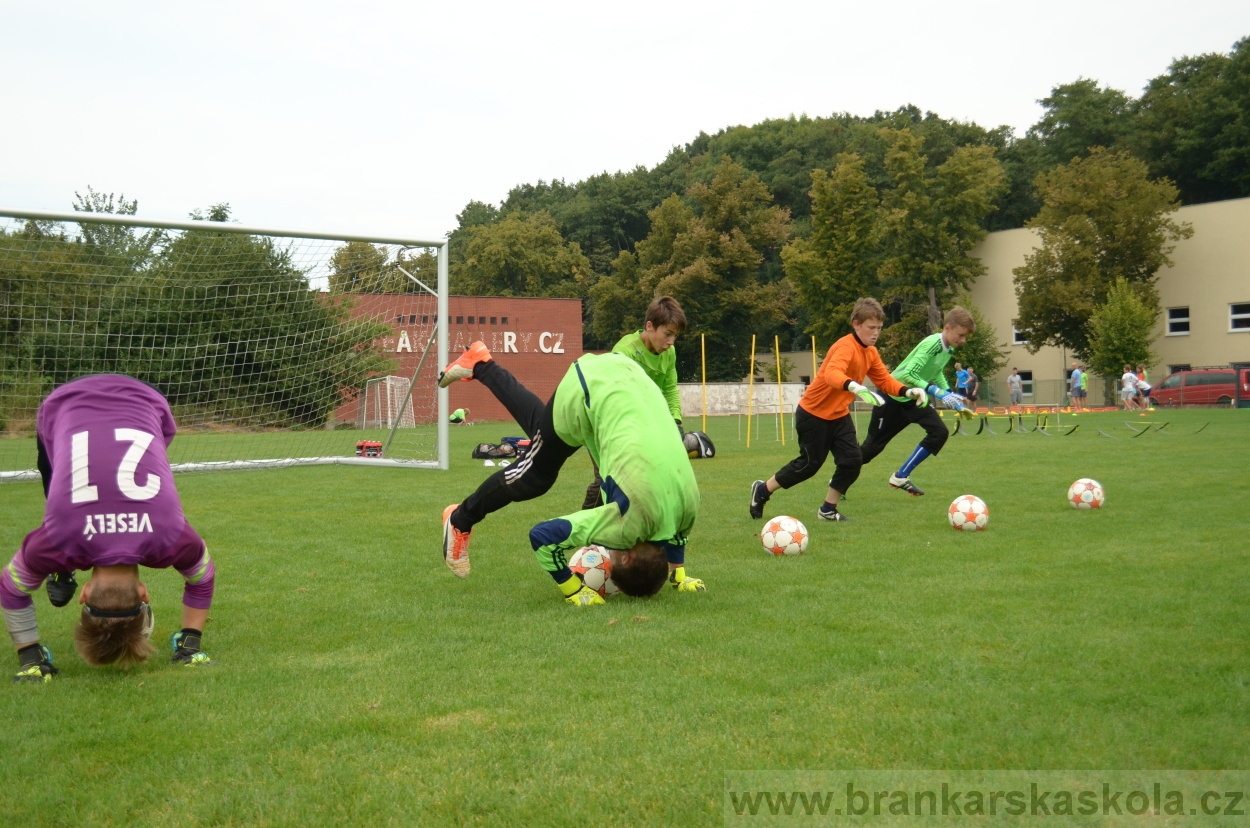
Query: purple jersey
[[111, 495]]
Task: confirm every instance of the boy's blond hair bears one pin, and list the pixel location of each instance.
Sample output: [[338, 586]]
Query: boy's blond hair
[[958, 317], [106, 640]]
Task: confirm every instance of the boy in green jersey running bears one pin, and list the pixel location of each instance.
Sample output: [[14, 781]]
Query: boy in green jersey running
[[923, 367], [608, 404]]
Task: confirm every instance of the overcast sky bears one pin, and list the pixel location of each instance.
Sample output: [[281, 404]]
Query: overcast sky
[[388, 117]]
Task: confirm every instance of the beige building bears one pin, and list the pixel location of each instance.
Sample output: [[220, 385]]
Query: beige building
[[1205, 296]]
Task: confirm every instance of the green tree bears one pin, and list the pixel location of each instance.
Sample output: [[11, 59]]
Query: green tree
[[707, 256], [358, 267], [1121, 329], [1195, 125], [522, 254], [983, 352], [930, 221], [1080, 115], [1102, 219], [837, 263]]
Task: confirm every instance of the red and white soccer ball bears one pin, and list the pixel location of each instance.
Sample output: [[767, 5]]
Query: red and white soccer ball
[[784, 535], [968, 513], [594, 566], [1086, 494]]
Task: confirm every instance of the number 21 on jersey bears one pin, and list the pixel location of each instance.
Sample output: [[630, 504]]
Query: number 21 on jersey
[[84, 492]]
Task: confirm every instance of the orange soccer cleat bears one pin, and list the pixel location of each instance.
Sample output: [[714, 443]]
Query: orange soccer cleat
[[462, 368]]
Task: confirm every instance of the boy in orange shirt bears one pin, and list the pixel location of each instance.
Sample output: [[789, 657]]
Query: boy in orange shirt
[[823, 420]]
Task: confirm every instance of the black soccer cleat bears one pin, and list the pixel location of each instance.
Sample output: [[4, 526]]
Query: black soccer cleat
[[830, 514], [61, 587], [906, 485], [759, 496]]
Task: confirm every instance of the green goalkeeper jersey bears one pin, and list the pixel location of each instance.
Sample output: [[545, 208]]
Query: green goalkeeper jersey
[[661, 368], [608, 404], [924, 365]]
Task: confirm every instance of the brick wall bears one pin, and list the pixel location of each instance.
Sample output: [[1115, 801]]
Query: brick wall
[[535, 339]]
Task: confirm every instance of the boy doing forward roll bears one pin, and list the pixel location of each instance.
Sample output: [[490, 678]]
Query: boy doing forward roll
[[112, 507], [823, 419]]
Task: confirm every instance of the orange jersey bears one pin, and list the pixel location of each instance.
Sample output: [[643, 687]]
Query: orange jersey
[[848, 360]]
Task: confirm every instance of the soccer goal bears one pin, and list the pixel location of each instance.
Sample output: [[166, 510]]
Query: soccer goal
[[273, 347]]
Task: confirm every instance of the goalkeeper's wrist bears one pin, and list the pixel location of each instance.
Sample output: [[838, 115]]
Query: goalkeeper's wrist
[[570, 586], [677, 575]]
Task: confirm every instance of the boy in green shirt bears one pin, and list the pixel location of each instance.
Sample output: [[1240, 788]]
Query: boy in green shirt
[[652, 348], [922, 368], [650, 499]]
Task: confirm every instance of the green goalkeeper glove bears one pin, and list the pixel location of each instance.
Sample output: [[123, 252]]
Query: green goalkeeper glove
[[578, 594], [35, 664], [679, 581], [186, 646], [868, 396]]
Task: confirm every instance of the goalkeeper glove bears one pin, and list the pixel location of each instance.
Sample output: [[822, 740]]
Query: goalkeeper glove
[[35, 664], [952, 401], [919, 395], [186, 645], [679, 581], [578, 594], [870, 397]]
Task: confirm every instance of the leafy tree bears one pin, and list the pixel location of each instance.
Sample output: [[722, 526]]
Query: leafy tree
[[836, 264], [983, 352], [1080, 115], [115, 245], [1195, 125], [931, 220], [1122, 328], [358, 267], [1102, 219], [707, 256], [522, 254]]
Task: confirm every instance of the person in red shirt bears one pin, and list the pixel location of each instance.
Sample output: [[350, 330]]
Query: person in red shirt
[[823, 420]]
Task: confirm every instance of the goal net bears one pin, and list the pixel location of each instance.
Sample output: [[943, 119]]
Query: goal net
[[274, 348]]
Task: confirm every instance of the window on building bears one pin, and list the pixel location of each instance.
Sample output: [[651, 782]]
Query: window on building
[[1026, 383], [412, 319], [1178, 321], [399, 319], [1239, 316], [459, 320], [425, 319], [492, 320], [503, 320], [1017, 338]]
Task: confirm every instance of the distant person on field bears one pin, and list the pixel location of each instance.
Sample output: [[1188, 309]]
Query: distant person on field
[[652, 348], [459, 417], [111, 508], [922, 368], [1143, 389], [608, 404], [1075, 386], [962, 375], [1128, 388], [974, 385], [823, 419], [1015, 387]]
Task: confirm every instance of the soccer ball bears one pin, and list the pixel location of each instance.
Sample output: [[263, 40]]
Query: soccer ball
[[595, 568], [968, 513], [1086, 494], [784, 535]]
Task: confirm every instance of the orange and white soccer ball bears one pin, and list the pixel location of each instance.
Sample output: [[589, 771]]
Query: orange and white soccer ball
[[969, 513], [784, 535], [594, 566], [1086, 494]]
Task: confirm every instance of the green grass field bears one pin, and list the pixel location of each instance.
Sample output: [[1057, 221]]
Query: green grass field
[[358, 682]]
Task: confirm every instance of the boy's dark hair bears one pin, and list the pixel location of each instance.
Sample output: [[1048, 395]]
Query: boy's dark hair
[[646, 573], [867, 309], [664, 310], [958, 317], [106, 640]]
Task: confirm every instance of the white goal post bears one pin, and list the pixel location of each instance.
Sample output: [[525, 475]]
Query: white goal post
[[274, 347]]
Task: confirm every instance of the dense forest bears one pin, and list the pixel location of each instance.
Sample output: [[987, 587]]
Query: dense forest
[[729, 221]]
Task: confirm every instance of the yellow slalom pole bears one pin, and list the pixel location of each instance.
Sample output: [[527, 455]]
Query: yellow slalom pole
[[703, 348], [781, 411], [750, 390], [813, 358]]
